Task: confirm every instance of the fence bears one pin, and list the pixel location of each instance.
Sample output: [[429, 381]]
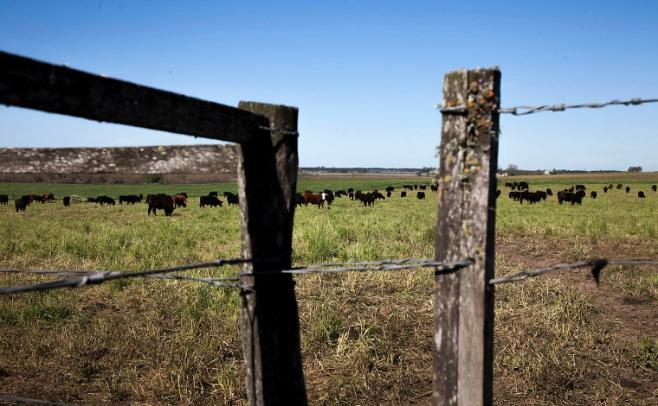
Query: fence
[[267, 176]]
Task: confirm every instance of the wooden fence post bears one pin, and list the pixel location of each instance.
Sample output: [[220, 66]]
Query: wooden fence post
[[267, 178], [464, 301]]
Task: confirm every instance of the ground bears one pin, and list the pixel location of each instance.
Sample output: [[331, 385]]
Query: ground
[[366, 338]]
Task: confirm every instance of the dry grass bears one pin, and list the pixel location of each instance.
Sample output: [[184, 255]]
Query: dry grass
[[365, 337]]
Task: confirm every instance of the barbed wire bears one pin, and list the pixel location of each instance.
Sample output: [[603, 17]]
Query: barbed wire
[[596, 266], [525, 110], [365, 266], [83, 278], [98, 277]]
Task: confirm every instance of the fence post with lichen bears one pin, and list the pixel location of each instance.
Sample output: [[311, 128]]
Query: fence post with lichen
[[463, 325]]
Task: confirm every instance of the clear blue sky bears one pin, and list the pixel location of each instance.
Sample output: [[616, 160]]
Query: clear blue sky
[[365, 75]]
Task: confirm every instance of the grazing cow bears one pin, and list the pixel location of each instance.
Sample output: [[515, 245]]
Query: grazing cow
[[549, 192], [619, 185], [541, 194], [435, 188], [628, 189], [160, 201], [180, 200], [350, 190], [530, 197], [328, 196], [299, 199], [580, 187], [592, 194], [523, 186], [341, 193], [653, 188], [91, 200], [130, 199], [367, 199], [605, 189], [420, 195], [20, 204], [231, 198], [497, 193], [67, 201], [377, 195], [514, 196], [422, 187], [212, 194], [317, 199], [350, 195], [415, 187], [105, 200], [640, 194], [209, 200], [509, 185], [48, 197], [388, 193], [566, 196], [37, 198], [403, 194], [390, 189], [4, 199]]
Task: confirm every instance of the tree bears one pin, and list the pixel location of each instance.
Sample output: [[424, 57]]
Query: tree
[[512, 167], [635, 169]]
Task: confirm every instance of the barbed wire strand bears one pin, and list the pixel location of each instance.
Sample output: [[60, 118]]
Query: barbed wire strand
[[30, 401], [525, 110], [383, 265], [104, 276], [596, 265], [97, 277]]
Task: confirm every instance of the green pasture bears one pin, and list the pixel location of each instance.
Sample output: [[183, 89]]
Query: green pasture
[[364, 335]]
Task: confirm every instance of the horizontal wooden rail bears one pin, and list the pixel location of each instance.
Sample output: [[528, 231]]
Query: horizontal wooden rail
[[33, 84]]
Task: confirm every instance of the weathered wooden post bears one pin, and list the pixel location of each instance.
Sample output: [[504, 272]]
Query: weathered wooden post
[[267, 178], [464, 301]]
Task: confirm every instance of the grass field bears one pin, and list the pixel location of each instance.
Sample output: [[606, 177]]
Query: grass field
[[366, 338]]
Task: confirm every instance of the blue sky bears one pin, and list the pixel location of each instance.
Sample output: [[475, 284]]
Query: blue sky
[[365, 75]]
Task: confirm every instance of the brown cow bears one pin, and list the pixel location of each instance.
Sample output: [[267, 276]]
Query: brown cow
[[310, 197]]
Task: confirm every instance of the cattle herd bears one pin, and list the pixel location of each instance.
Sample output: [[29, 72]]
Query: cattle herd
[[520, 192], [574, 194], [366, 198]]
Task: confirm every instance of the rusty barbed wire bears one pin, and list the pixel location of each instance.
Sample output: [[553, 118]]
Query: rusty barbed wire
[[525, 110], [98, 277], [83, 278], [596, 266]]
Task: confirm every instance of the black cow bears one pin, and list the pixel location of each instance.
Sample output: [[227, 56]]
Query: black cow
[[567, 196], [231, 198], [593, 194], [209, 201], [160, 201], [509, 185], [20, 204], [422, 187], [377, 195], [497, 193], [299, 199], [350, 190], [130, 199], [328, 196], [653, 188], [4, 199], [341, 193], [390, 189], [368, 199], [580, 187], [549, 192], [605, 189], [523, 186], [619, 185], [350, 195], [628, 189], [388, 193], [420, 195], [530, 197], [514, 196], [67, 201], [640, 194], [403, 194], [91, 200], [434, 188], [105, 200], [212, 194]]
